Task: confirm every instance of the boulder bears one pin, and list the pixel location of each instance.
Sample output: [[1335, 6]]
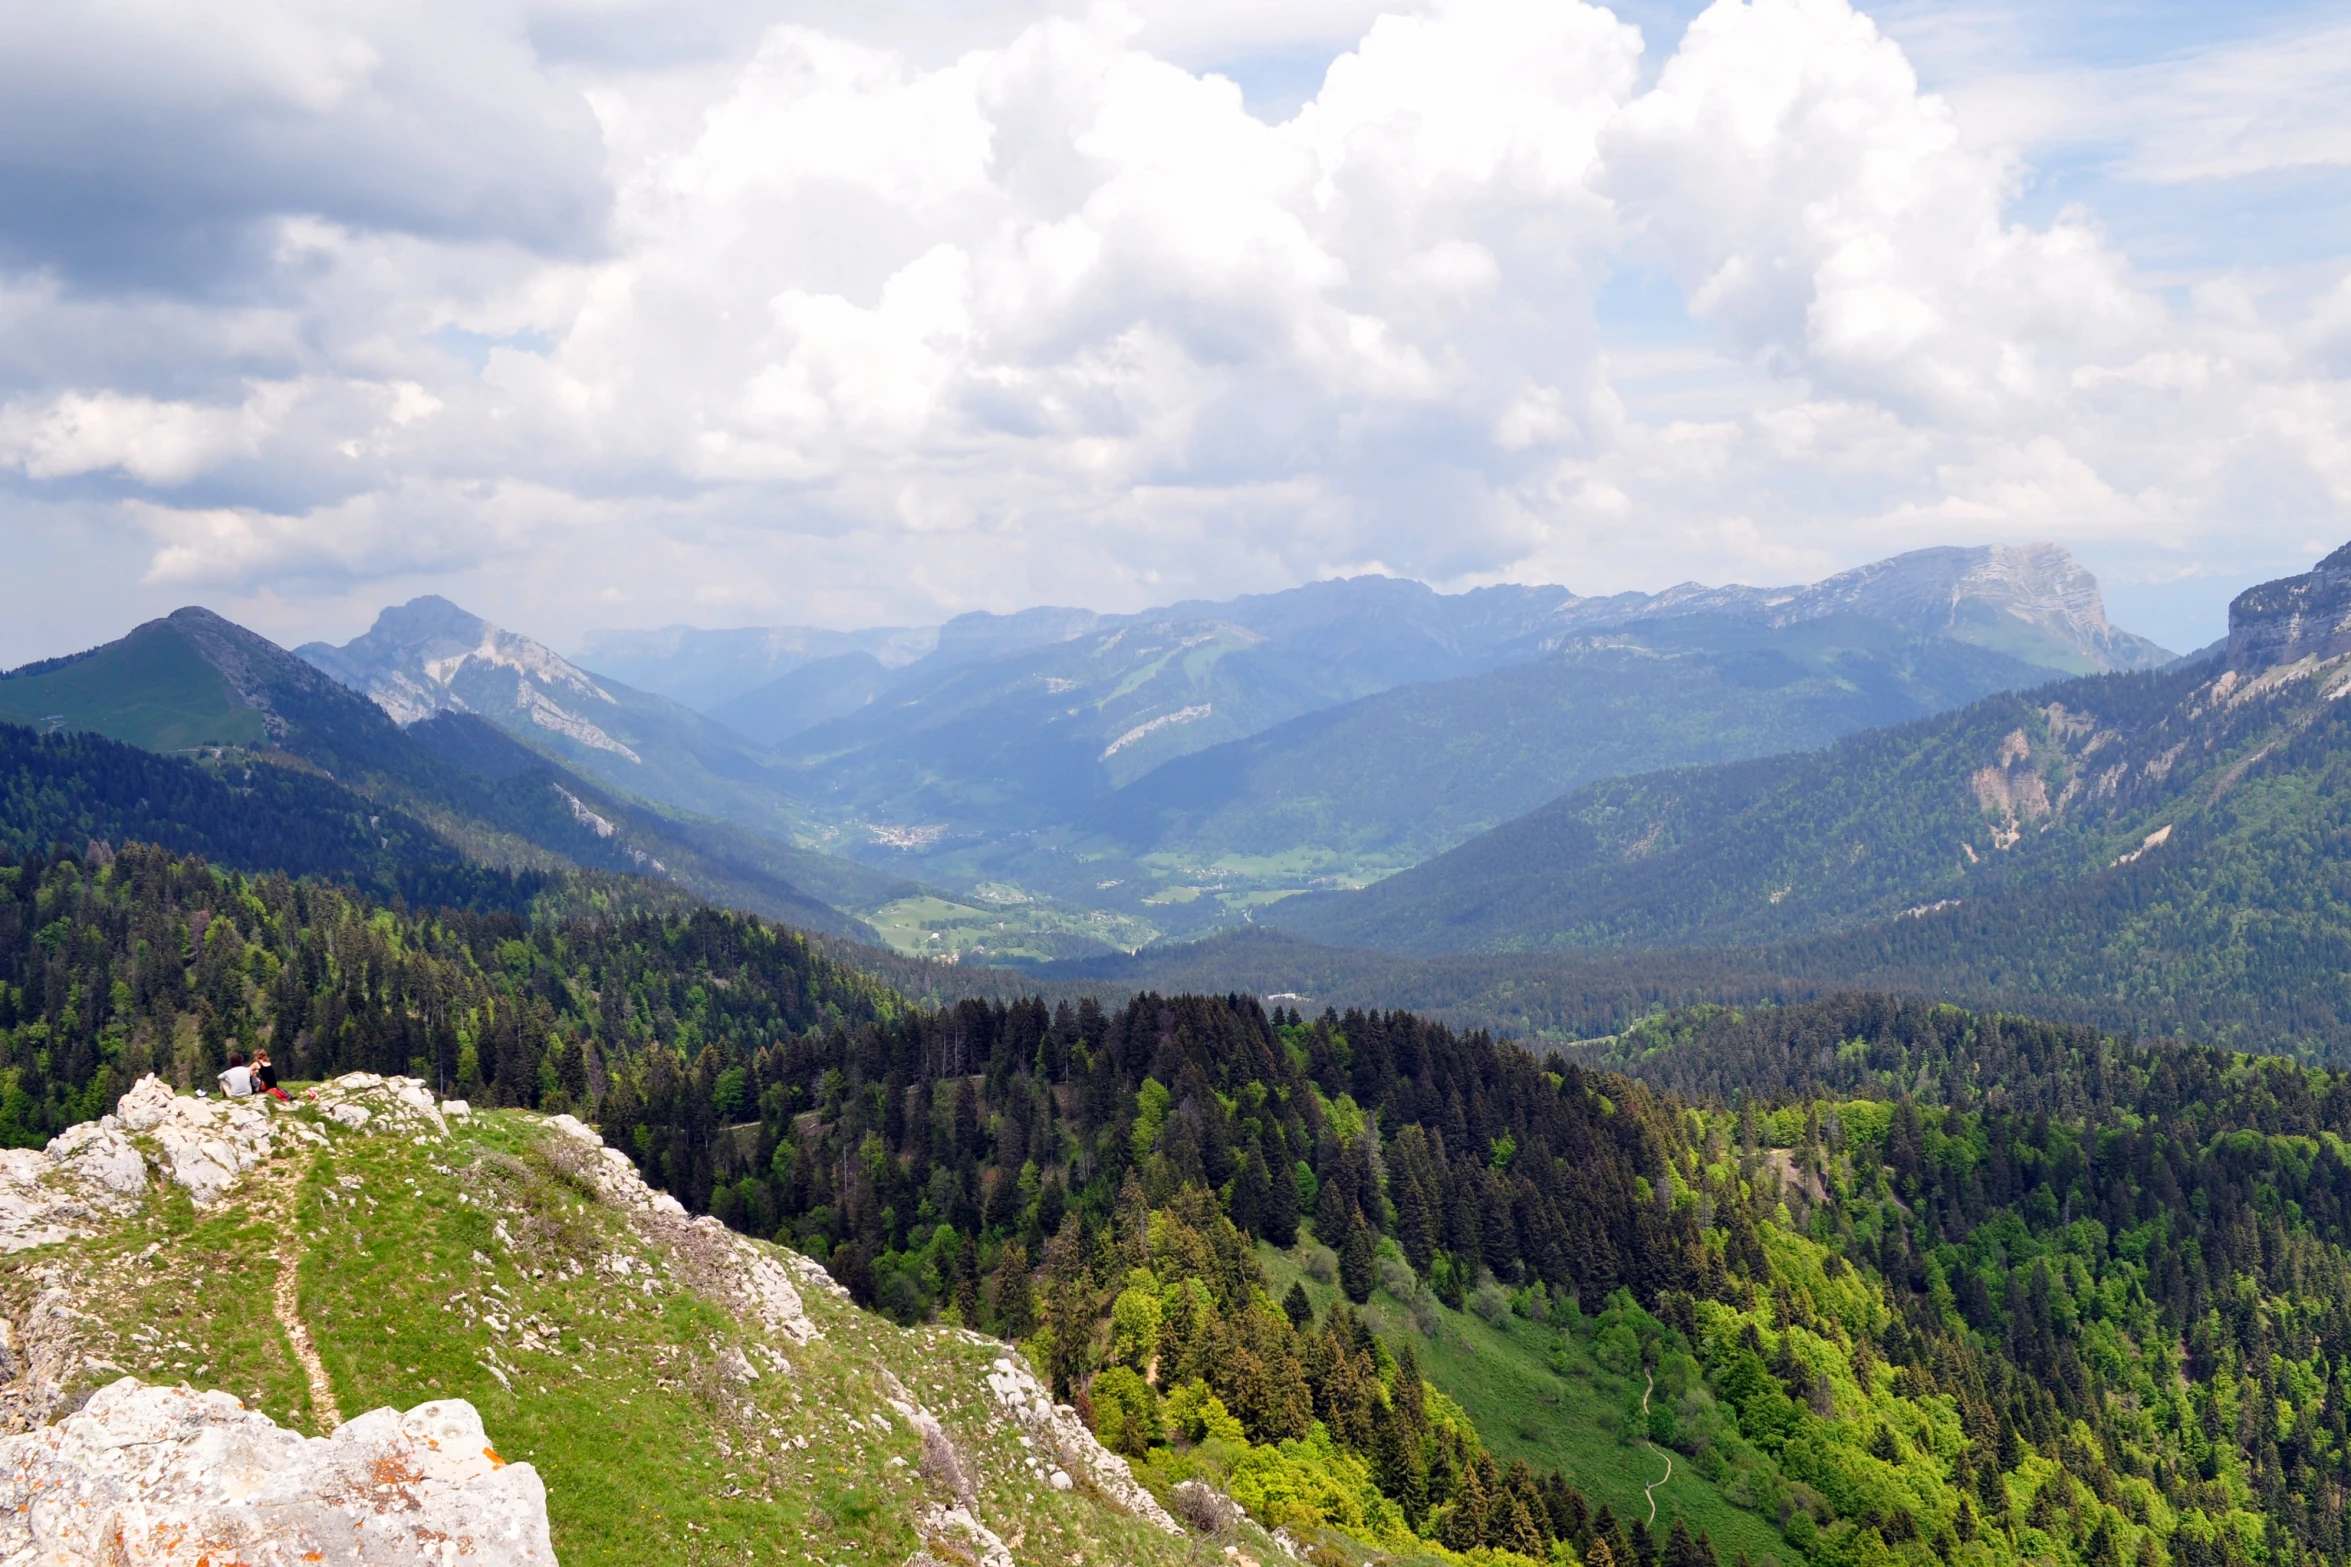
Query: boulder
[[148, 1476]]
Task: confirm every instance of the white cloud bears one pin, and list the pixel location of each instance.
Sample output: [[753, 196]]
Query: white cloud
[[831, 320], [2256, 106], [154, 442]]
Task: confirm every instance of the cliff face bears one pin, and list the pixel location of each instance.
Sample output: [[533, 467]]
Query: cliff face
[[2294, 617]]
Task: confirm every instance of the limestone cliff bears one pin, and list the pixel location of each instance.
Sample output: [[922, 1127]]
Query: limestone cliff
[[2308, 616]]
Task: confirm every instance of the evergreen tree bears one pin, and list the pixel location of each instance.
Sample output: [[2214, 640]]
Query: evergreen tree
[[1357, 1273], [1296, 1306], [1465, 1525], [1281, 1203], [1517, 1532], [1252, 1195]]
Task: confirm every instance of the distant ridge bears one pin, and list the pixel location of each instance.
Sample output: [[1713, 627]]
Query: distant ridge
[[2157, 846]]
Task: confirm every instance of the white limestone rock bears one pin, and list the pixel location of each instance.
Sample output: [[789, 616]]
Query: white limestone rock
[[86, 1174], [97, 1154], [169, 1477], [205, 1144], [757, 1278], [943, 1526], [1031, 1407], [356, 1099]]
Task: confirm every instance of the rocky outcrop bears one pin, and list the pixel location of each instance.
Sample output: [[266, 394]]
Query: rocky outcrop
[[1065, 1438], [151, 1475], [759, 1282], [2293, 618], [202, 1144], [87, 1174], [2031, 600]]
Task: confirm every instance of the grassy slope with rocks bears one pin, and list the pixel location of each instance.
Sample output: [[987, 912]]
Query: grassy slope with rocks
[[606, 1343]]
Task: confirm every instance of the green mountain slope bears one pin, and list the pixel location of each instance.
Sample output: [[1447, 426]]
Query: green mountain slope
[[1948, 1299], [488, 798], [151, 689], [2231, 763], [1397, 777], [676, 1393], [75, 789]]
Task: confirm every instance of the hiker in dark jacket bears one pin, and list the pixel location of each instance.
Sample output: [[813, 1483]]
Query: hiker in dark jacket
[[265, 1076]]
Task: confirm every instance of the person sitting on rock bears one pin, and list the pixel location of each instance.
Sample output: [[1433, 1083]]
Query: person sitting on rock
[[265, 1076], [237, 1081]]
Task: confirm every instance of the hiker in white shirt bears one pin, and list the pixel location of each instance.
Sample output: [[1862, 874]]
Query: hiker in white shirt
[[237, 1081]]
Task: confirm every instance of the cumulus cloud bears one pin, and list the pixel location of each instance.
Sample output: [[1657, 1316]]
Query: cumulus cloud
[[825, 321]]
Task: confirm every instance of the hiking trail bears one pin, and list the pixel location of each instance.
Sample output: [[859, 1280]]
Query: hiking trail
[[286, 1298], [1648, 1382]]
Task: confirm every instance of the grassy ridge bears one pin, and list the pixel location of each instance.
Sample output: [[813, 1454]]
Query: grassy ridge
[[475, 1268]]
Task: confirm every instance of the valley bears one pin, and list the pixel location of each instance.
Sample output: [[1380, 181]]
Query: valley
[[908, 1185], [1468, 784]]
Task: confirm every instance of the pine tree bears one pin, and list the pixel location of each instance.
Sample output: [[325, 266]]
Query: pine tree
[[1016, 1299], [967, 1282], [1518, 1532], [1331, 1208], [1416, 1227], [1296, 1306], [1281, 1205], [1598, 1554], [1465, 1525], [1356, 1271], [1252, 1195]]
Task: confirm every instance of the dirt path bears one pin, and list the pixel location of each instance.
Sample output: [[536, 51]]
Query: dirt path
[[1648, 1382], [286, 1298]]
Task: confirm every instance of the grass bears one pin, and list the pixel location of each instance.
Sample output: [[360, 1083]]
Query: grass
[[476, 1268], [151, 689], [929, 926], [175, 1295], [1538, 1394]]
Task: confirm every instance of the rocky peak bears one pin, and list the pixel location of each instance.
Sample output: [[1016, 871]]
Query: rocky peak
[[2033, 600], [430, 656], [2308, 616]]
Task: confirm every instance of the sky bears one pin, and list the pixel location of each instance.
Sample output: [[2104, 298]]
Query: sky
[[597, 313]]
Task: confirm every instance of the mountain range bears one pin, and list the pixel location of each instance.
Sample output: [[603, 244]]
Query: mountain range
[[447, 789], [2072, 779], [1184, 766], [2157, 850], [1054, 783]]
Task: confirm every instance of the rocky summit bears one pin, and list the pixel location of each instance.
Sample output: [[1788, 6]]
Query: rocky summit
[[194, 1291], [2308, 616]]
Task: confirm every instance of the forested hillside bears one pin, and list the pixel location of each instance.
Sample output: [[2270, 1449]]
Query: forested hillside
[[1430, 764], [2152, 849], [216, 694], [1898, 1283], [2235, 760]]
